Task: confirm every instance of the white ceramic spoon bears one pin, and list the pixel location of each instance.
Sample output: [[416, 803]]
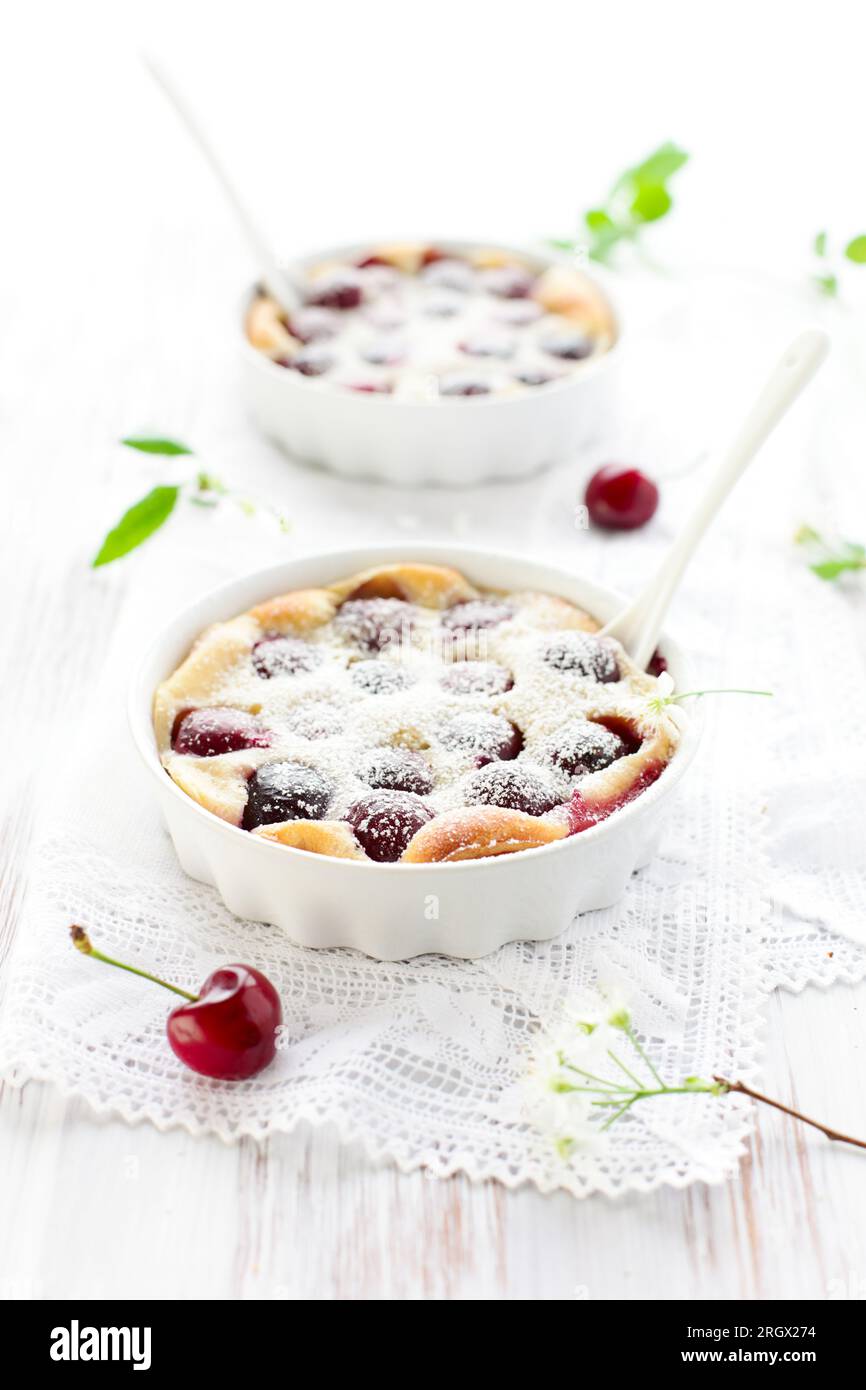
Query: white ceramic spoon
[[275, 281], [638, 626]]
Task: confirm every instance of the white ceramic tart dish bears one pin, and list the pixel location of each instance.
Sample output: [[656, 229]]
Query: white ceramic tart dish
[[437, 362], [406, 753]]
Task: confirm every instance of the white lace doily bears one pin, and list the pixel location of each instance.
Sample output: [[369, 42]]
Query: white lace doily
[[759, 882]]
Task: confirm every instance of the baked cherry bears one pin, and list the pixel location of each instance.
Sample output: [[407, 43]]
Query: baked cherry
[[582, 748], [534, 378], [517, 313], [507, 282], [312, 361], [477, 678], [315, 721], [496, 345], [476, 613], [572, 347], [657, 664], [443, 306], [581, 654], [513, 787], [448, 274], [228, 1030], [385, 821], [375, 623], [620, 498], [386, 313], [462, 386], [398, 770], [482, 736], [380, 677], [285, 791], [205, 733], [284, 656], [336, 292], [385, 352], [313, 324], [582, 816]]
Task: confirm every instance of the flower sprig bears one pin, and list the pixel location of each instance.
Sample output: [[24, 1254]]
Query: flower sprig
[[589, 1068], [140, 521], [830, 559], [665, 695]]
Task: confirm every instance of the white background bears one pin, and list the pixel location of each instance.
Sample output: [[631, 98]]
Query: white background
[[119, 274]]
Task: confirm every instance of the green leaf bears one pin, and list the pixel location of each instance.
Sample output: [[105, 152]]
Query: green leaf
[[658, 167], [598, 220], [856, 250], [831, 569], [169, 447], [137, 524], [827, 284], [651, 202], [819, 245]]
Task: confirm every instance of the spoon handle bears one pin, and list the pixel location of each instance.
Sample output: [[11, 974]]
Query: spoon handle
[[275, 282], [638, 627]]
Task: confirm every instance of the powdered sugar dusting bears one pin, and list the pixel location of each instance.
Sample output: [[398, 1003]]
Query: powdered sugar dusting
[[373, 708]]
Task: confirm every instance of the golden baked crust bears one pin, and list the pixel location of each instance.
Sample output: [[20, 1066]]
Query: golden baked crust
[[567, 291], [480, 832], [484, 729], [317, 836], [431, 586]]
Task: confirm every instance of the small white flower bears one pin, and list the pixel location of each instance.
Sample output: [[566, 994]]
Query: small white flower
[[617, 1010]]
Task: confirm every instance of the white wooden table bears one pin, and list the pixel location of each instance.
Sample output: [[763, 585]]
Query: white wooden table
[[93, 1209], [115, 298]]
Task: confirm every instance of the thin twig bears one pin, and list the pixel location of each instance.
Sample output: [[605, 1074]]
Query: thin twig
[[745, 1090]]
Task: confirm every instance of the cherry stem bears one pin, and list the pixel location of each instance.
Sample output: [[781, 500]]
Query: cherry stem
[[82, 943], [743, 1089], [726, 690]]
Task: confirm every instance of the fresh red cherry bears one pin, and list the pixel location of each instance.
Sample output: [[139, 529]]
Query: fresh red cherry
[[621, 499], [228, 1030]]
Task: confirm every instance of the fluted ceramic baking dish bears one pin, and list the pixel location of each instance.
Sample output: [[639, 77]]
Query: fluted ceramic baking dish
[[394, 911], [444, 441]]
